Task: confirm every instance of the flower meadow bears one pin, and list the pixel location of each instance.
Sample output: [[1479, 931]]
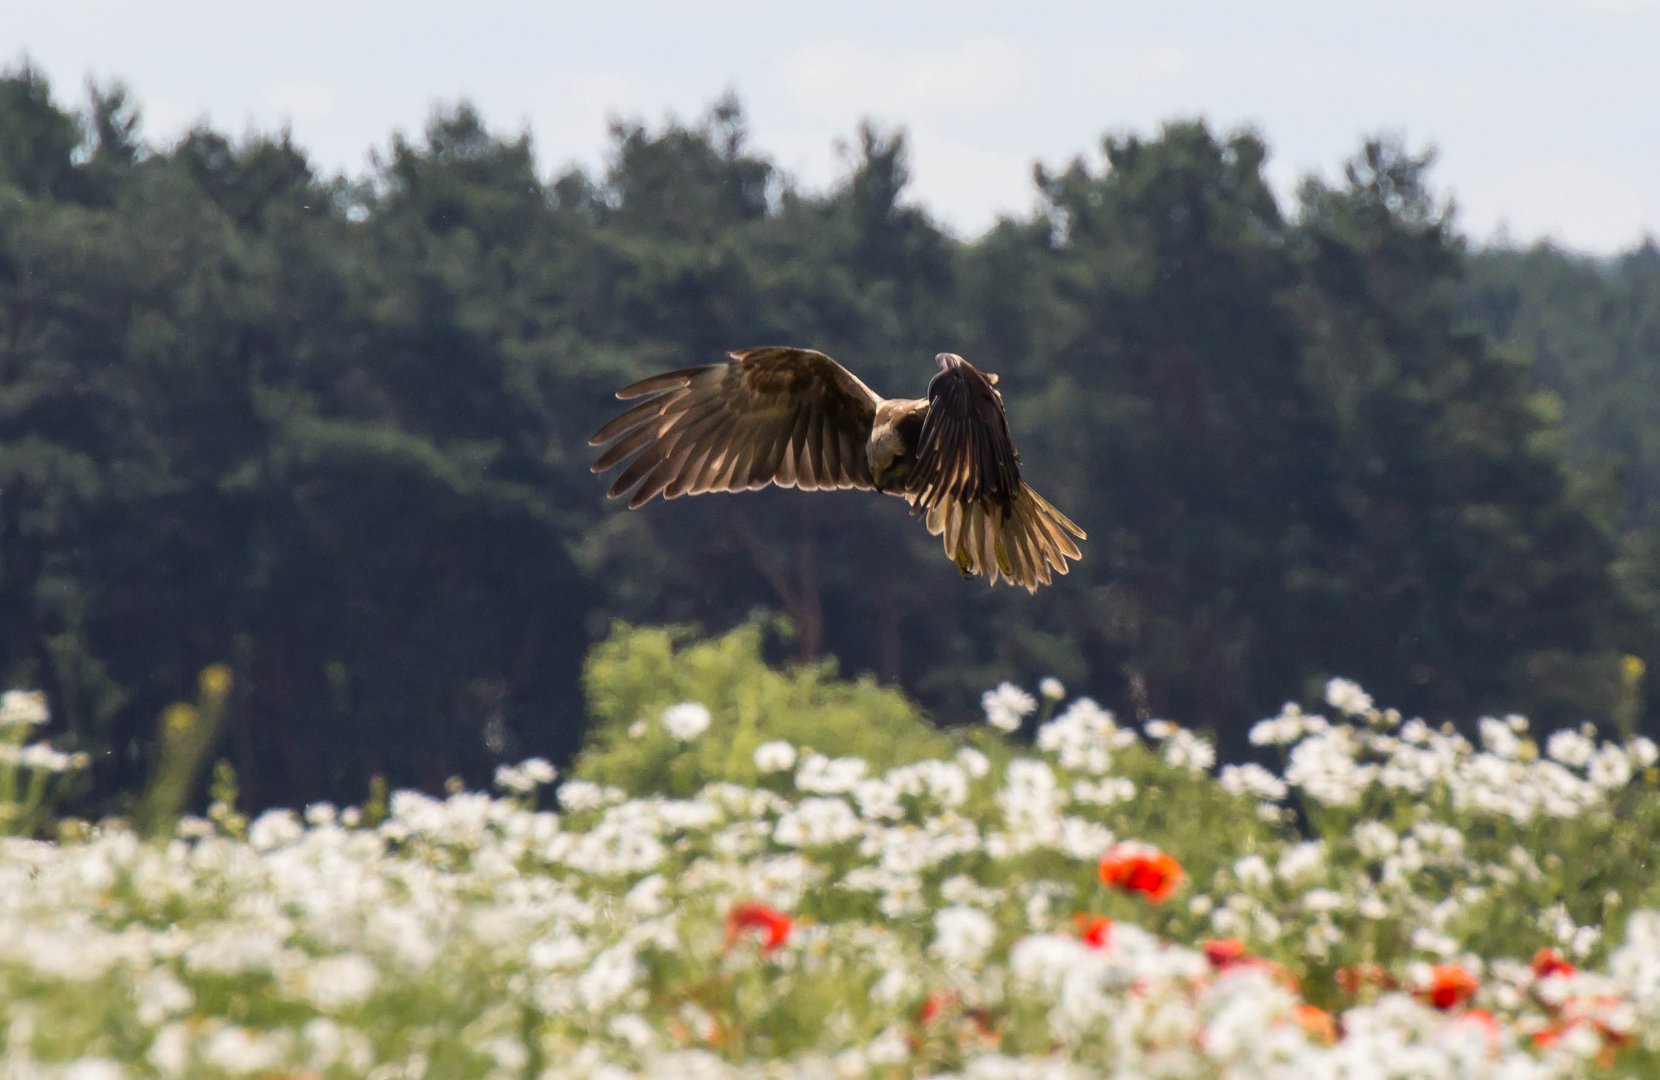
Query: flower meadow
[[1051, 893]]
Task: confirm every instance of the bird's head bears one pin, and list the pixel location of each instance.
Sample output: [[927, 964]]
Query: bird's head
[[891, 476], [892, 447]]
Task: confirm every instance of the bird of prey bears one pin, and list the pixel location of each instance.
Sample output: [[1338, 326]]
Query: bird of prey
[[796, 418]]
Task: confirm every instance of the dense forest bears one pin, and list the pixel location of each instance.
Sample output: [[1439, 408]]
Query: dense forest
[[331, 432]]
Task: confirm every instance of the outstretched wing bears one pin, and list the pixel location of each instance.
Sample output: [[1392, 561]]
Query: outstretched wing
[[965, 453], [775, 415]]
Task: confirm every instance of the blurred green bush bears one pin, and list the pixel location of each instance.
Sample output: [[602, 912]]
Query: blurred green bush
[[637, 673]]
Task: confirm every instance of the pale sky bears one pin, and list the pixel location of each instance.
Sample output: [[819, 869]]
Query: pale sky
[[1545, 113]]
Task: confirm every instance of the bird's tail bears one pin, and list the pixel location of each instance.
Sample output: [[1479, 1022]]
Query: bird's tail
[[1024, 543]]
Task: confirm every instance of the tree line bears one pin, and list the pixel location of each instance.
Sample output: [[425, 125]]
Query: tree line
[[331, 432]]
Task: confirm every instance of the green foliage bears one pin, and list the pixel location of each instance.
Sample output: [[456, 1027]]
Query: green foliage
[[1593, 328], [637, 673]]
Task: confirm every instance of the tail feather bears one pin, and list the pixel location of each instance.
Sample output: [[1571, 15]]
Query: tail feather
[[1025, 543]]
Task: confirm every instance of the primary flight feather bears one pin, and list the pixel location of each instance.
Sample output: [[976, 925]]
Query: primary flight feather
[[796, 418]]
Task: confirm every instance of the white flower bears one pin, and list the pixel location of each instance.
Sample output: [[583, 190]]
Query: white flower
[[1051, 688], [1347, 697], [525, 777], [242, 1050], [1104, 792], [578, 795], [687, 720], [889, 1047], [1570, 748], [1006, 706], [1301, 861], [338, 981], [1083, 737], [1609, 767], [817, 822], [962, 935], [973, 762], [633, 1029], [829, 776], [1375, 840], [40, 757], [1251, 779], [1321, 901], [608, 978], [1324, 767], [22, 707], [1280, 730], [1185, 750], [159, 996], [275, 828], [1253, 872], [1499, 738], [776, 756], [878, 800]]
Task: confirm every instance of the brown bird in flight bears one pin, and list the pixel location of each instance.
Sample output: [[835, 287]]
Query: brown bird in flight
[[796, 418]]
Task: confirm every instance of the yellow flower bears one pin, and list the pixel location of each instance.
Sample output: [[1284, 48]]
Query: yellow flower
[[215, 682], [179, 720], [1632, 670]]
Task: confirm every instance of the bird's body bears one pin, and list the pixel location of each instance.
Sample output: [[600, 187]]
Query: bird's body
[[796, 418]]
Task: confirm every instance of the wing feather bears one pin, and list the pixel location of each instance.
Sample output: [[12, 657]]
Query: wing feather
[[965, 452], [791, 417], [813, 453], [1027, 543]]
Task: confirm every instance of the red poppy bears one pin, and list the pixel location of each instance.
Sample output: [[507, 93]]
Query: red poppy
[[934, 1005], [1548, 962], [970, 1021], [1143, 869], [1316, 1023], [1547, 1037], [773, 925], [1223, 952], [1093, 930], [1449, 985], [1230, 954]]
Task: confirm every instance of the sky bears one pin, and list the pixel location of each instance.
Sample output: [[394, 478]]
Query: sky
[[1543, 113]]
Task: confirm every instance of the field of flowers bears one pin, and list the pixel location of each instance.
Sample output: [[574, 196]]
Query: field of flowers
[[1052, 894]]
